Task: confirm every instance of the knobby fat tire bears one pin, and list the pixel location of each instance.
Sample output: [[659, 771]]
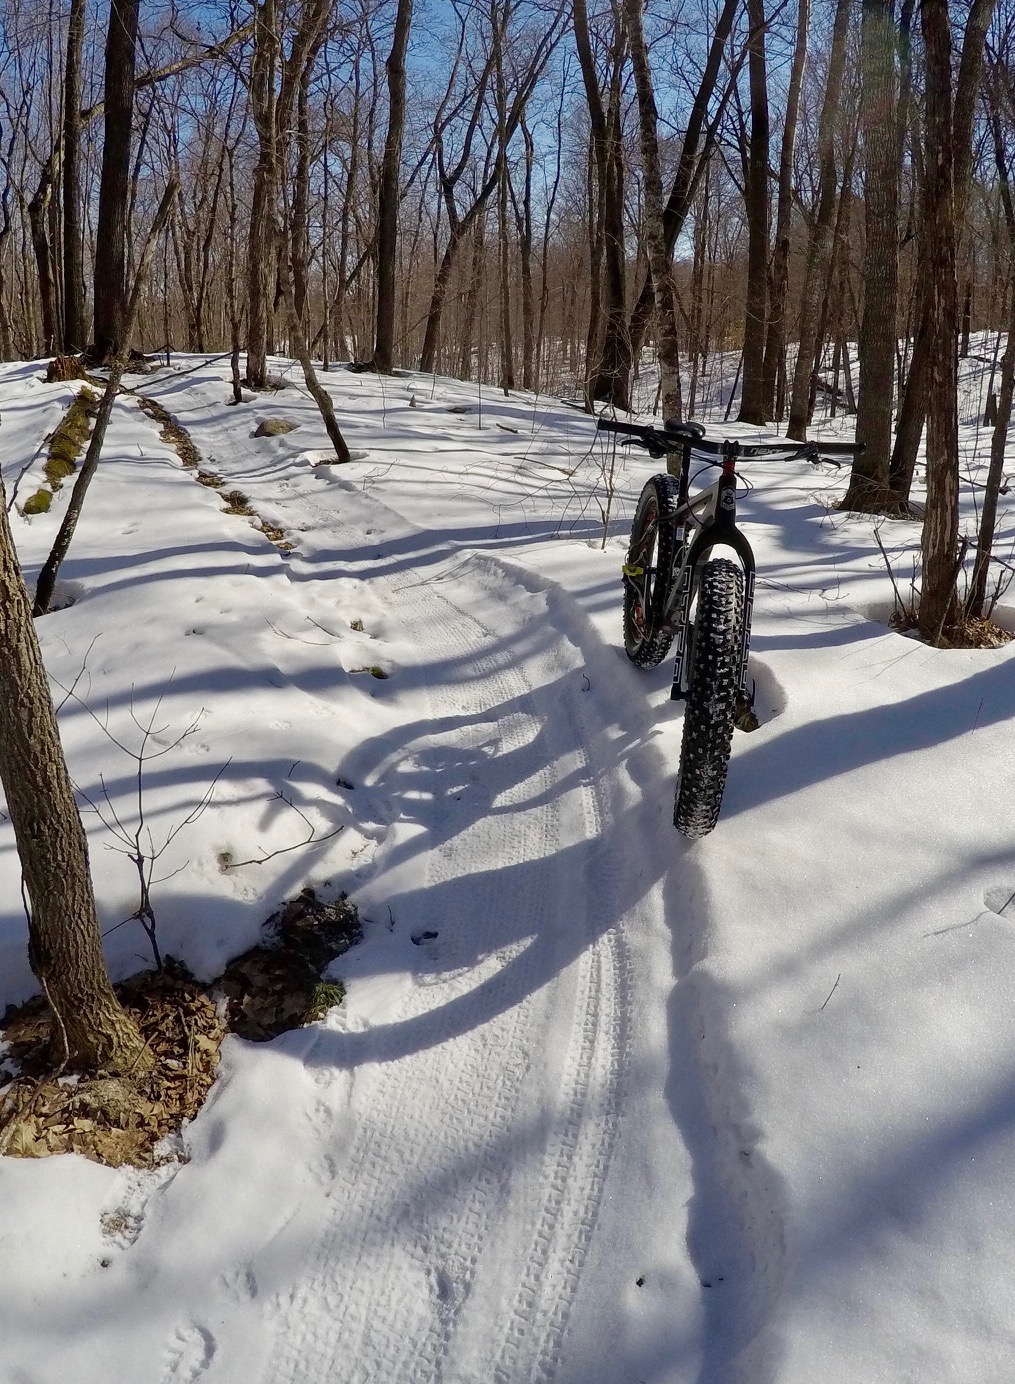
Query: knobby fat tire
[[711, 698], [652, 545]]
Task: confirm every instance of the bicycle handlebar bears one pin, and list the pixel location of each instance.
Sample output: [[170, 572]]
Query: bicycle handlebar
[[676, 436]]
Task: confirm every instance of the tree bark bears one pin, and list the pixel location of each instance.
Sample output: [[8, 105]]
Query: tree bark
[[913, 411], [941, 523], [608, 377], [775, 346], [753, 404], [388, 198], [261, 249], [660, 261], [91, 1031], [110, 283], [820, 240], [74, 329], [868, 483], [38, 209]]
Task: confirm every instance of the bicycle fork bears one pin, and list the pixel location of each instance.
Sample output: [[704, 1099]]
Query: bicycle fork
[[678, 691]]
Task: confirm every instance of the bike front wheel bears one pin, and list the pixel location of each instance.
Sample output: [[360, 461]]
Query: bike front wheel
[[649, 571], [712, 693]]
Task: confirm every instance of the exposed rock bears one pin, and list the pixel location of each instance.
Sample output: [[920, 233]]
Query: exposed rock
[[275, 427]]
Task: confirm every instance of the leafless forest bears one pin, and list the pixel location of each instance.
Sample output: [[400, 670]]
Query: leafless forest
[[519, 192], [535, 195]]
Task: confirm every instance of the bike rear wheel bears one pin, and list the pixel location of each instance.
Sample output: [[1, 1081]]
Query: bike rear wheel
[[648, 572], [713, 688]]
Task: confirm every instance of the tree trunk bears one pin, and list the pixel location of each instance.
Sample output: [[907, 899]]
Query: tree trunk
[[507, 348], [695, 152], [37, 215], [110, 284], [261, 249], [660, 263], [74, 330], [300, 247], [753, 404], [523, 222], [775, 346], [465, 363], [389, 193], [817, 262], [941, 524], [320, 395], [967, 318], [914, 404], [976, 601], [47, 577], [868, 483], [91, 1031], [608, 377]]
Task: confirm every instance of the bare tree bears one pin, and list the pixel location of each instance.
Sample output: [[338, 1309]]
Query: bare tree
[[609, 355], [272, 106], [91, 1032], [389, 192], [820, 238], [775, 345], [47, 576], [913, 411], [868, 482], [660, 262], [110, 288], [946, 124], [753, 403], [74, 328]]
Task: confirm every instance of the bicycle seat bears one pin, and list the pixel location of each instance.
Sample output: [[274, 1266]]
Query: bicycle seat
[[690, 430]]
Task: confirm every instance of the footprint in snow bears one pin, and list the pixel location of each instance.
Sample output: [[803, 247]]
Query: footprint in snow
[[239, 1284], [188, 1356]]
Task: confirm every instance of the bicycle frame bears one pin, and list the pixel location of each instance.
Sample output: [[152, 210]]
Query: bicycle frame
[[710, 668], [709, 520]]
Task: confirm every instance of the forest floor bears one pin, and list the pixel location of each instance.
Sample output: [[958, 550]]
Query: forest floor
[[600, 1105]]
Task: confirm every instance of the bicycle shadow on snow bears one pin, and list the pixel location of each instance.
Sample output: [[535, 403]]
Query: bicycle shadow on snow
[[737, 1212], [478, 783]]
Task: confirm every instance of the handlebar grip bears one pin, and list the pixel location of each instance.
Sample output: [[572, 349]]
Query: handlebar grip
[[839, 449], [629, 429]]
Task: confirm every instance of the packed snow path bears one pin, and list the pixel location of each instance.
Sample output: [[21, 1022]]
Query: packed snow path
[[465, 1216], [600, 1106]]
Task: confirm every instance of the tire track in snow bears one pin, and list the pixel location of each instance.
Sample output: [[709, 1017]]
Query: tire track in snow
[[391, 1280], [585, 1134], [387, 1291], [381, 1302], [578, 1151]]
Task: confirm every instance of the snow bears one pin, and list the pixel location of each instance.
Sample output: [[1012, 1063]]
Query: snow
[[600, 1104]]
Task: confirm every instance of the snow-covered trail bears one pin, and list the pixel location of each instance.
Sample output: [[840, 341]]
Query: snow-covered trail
[[480, 1167], [459, 1236], [600, 1106], [456, 1230]]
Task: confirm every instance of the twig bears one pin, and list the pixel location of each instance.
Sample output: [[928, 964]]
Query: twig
[[312, 839], [899, 603], [963, 546], [832, 991]]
